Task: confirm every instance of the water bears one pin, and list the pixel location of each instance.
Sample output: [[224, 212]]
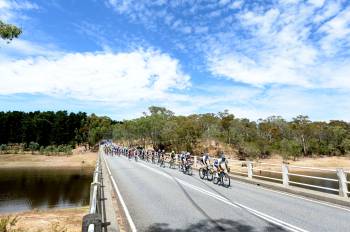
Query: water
[[27, 189]]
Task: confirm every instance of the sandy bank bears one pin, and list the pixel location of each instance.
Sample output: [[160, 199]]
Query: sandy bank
[[50, 220], [85, 160]]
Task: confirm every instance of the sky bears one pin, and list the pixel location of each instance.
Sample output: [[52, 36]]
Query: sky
[[118, 57]]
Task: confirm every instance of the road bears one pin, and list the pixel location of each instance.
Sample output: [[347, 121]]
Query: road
[[163, 199]]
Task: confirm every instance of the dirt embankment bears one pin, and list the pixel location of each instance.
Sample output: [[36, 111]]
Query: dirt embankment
[[275, 164], [53, 220], [84, 160]]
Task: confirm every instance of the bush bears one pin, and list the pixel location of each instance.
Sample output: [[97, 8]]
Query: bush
[[3, 149], [33, 146]]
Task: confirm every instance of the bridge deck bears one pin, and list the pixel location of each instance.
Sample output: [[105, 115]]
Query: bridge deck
[[163, 199]]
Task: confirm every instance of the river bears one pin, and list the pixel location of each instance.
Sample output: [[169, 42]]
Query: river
[[41, 188]]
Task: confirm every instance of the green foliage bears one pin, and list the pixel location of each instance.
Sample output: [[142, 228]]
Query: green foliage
[[58, 132], [44, 128], [3, 148], [33, 146], [299, 137], [9, 31]]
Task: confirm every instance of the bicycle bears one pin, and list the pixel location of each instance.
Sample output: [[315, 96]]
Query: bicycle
[[187, 169], [222, 178], [206, 172], [162, 163], [172, 164]]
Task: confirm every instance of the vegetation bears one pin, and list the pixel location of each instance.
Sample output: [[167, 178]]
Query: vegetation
[[55, 133], [49, 131], [8, 31], [274, 135], [44, 128]]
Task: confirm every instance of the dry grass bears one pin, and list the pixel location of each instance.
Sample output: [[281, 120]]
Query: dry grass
[[87, 160], [69, 220], [319, 162]]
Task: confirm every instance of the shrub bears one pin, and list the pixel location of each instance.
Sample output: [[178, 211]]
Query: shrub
[[33, 146], [3, 148]]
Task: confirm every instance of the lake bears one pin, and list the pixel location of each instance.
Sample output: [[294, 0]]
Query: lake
[[40, 188]]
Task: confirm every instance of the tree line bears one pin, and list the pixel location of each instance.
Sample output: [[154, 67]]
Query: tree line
[[162, 129], [250, 139]]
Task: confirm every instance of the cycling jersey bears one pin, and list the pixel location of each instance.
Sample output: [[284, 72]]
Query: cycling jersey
[[205, 159]]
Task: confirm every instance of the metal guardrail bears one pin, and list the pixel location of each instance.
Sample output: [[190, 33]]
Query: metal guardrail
[[95, 221]]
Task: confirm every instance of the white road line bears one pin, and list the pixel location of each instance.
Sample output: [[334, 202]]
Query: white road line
[[126, 211], [234, 204]]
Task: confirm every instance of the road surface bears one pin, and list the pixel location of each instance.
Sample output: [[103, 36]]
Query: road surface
[[163, 199]]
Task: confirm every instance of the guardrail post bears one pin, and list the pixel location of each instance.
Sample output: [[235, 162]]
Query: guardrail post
[[93, 184], [343, 186], [250, 169], [195, 161], [92, 221], [285, 176]]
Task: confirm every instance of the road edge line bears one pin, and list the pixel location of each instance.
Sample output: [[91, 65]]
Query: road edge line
[[121, 199]]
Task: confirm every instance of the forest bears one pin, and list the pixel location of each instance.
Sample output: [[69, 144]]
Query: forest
[[161, 128]]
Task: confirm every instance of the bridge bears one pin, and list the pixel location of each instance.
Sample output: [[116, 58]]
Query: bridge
[[129, 195]]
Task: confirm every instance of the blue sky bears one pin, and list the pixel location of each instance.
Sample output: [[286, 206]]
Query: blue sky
[[118, 57]]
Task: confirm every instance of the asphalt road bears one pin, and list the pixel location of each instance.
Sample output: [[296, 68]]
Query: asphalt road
[[163, 199]]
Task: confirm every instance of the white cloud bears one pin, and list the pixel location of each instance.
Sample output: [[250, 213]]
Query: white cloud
[[122, 77], [21, 47], [283, 47], [337, 32], [10, 9]]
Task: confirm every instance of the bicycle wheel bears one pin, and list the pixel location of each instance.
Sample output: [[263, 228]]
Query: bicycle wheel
[[201, 173], [216, 180], [210, 175], [189, 170], [226, 181]]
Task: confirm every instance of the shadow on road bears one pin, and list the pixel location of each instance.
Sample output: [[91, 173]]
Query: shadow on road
[[217, 225]]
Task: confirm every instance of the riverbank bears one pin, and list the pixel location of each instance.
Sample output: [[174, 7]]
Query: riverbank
[[54, 220], [85, 160]]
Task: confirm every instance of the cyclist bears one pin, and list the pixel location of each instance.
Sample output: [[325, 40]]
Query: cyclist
[[161, 158], [205, 160], [188, 158], [172, 156], [220, 165]]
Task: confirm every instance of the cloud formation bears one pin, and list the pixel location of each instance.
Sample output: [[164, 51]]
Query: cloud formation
[[108, 77]]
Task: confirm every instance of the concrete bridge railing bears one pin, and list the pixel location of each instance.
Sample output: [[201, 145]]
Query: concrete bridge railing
[[95, 221], [249, 169]]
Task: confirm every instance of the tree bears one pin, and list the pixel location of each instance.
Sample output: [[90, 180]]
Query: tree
[[301, 126], [8, 31], [226, 120], [33, 146]]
